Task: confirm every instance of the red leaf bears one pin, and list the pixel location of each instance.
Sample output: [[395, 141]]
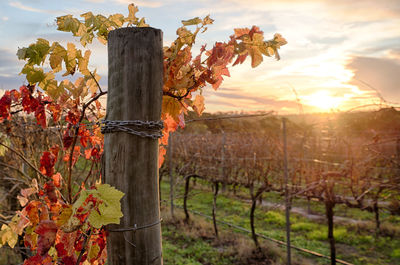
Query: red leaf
[[57, 179], [29, 103], [51, 191], [240, 59], [67, 139], [84, 135], [5, 106], [40, 115], [61, 252], [47, 162], [32, 212], [35, 260], [47, 231], [68, 260], [72, 117], [55, 109]]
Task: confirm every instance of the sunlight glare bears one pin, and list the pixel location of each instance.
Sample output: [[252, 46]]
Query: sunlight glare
[[323, 100]]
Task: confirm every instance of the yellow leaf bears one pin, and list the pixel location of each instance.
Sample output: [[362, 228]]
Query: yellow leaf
[[91, 83], [171, 106], [198, 104], [117, 19], [8, 236], [93, 252], [102, 39], [132, 19], [57, 54], [207, 20], [81, 30], [270, 51], [63, 218], [185, 36], [78, 88], [70, 59], [83, 63], [142, 23]]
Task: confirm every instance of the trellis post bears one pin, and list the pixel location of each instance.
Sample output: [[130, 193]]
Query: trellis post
[[287, 199], [135, 80]]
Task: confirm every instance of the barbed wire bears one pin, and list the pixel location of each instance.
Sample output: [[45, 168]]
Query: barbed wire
[[149, 129]]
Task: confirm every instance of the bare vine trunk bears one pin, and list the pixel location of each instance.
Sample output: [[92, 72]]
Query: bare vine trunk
[[214, 209], [253, 230], [329, 215], [377, 219], [187, 216]]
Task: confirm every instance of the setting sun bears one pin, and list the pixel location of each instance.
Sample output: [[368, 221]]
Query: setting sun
[[323, 100]]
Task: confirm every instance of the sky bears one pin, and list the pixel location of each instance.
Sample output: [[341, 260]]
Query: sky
[[340, 54]]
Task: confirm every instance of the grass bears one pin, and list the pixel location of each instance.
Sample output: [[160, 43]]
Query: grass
[[195, 243], [355, 243]]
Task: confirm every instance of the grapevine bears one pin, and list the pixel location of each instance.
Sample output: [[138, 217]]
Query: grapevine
[[64, 205]]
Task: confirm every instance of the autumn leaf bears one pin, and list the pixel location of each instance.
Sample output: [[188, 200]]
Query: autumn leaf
[[66, 212], [132, 19], [25, 193], [198, 104], [93, 252], [193, 21], [107, 202], [171, 106], [8, 236], [47, 162], [83, 63], [33, 74], [57, 53], [57, 178], [36, 52], [47, 231], [70, 59]]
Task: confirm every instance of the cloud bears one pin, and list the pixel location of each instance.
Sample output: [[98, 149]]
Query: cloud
[[234, 99], [340, 9], [151, 4], [381, 74], [19, 5], [4, 18], [394, 54]]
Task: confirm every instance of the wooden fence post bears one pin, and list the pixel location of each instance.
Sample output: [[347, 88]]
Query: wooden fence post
[[287, 199], [171, 177], [135, 80]]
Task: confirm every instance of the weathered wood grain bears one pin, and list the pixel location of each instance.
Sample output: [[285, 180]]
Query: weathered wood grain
[[135, 76]]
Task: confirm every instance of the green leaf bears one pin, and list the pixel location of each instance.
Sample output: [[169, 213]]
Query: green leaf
[[193, 21], [21, 53], [89, 18], [36, 53], [33, 74], [49, 84], [109, 208], [68, 23]]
